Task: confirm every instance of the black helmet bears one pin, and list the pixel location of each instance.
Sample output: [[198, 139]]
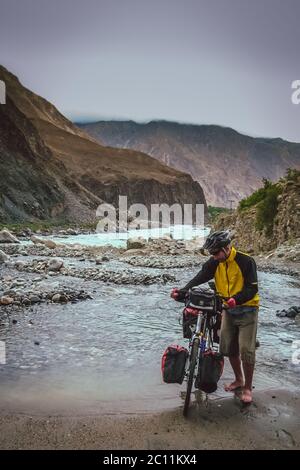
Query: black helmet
[[216, 241]]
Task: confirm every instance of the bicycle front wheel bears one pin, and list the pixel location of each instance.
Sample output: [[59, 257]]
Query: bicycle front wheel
[[193, 362]]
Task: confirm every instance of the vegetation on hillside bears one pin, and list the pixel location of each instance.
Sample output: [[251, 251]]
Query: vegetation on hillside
[[214, 212], [266, 201]]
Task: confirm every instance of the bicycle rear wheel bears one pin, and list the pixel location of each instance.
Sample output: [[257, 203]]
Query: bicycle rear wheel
[[193, 362]]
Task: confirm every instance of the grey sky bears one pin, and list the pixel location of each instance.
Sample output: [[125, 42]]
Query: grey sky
[[227, 62]]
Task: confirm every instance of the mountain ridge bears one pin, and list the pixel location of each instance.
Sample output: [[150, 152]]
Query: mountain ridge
[[227, 164], [39, 145]]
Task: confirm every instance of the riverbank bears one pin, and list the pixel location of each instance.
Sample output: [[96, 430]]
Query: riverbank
[[271, 422]]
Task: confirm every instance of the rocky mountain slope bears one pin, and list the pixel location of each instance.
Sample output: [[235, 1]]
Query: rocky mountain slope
[[269, 220], [49, 168], [228, 165]]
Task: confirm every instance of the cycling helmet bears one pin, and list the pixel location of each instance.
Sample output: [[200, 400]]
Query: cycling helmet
[[216, 241]]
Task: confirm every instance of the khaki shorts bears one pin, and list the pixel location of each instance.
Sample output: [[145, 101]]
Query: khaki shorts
[[238, 333]]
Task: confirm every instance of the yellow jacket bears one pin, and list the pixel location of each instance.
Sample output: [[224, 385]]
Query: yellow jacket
[[236, 277]]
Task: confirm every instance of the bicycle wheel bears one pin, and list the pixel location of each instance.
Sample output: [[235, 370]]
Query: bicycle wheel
[[193, 361]]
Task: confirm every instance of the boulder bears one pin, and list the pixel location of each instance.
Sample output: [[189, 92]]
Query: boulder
[[55, 264], [6, 300], [20, 264], [292, 312], [3, 257], [48, 243], [134, 243], [71, 231], [56, 298], [134, 251], [7, 237]]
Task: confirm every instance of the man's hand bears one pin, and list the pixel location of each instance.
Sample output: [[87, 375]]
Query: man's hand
[[231, 302], [175, 293], [178, 294]]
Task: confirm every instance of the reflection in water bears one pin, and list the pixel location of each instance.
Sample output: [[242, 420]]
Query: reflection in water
[[104, 354]]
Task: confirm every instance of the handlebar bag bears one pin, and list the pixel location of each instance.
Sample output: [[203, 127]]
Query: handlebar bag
[[173, 364], [203, 298]]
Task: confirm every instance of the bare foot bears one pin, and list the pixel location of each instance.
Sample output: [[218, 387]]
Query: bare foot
[[246, 396], [233, 386]]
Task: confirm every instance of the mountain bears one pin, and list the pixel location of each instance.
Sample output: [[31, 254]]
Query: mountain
[[229, 166], [50, 168]]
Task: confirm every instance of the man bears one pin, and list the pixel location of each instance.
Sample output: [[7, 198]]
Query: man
[[235, 277]]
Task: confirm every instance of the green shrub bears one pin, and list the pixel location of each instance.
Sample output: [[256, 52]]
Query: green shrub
[[292, 174], [213, 212], [255, 197], [267, 210], [266, 201]]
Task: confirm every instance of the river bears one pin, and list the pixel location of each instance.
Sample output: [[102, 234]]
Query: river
[[103, 355]]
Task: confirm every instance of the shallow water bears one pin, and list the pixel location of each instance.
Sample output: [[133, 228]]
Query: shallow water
[[119, 239], [103, 355]]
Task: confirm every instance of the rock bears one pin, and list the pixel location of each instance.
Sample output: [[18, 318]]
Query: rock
[[134, 251], [71, 231], [37, 343], [7, 237], [20, 264], [34, 299], [14, 321], [98, 261], [292, 312], [36, 240], [55, 264], [133, 243], [6, 300], [48, 243], [3, 257], [56, 298], [167, 238], [10, 293], [105, 258]]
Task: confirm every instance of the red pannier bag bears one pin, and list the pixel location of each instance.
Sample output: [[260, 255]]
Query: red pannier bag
[[173, 364]]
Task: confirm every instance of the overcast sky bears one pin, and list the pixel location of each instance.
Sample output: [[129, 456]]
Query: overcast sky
[[227, 62]]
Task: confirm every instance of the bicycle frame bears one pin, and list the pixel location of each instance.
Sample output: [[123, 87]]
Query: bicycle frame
[[200, 342], [203, 332]]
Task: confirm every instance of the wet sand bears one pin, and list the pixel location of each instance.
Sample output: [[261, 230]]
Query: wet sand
[[271, 422]]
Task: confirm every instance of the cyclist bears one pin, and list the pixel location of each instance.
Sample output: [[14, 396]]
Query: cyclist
[[235, 276]]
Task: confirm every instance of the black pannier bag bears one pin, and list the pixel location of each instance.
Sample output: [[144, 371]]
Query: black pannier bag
[[210, 369], [173, 364]]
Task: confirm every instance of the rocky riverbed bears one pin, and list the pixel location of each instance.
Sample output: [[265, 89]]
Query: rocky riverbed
[[85, 327]]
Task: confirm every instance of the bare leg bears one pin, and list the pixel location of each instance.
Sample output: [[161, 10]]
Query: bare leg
[[247, 390], [236, 365]]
